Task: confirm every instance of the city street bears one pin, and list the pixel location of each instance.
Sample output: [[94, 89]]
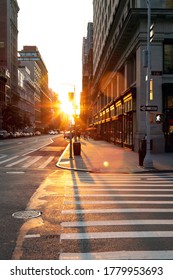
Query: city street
[[24, 165], [100, 216], [82, 215]]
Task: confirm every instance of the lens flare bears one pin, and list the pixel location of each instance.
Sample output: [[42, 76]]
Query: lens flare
[[105, 163]]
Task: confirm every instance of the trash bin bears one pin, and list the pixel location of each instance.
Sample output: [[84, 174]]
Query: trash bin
[[142, 151], [76, 148]]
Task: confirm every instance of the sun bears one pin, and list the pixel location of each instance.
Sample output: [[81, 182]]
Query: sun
[[66, 107]]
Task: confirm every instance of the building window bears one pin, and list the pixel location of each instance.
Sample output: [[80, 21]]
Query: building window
[[168, 57]]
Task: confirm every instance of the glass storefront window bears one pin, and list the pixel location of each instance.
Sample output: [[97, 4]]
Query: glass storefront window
[[170, 101], [128, 106], [112, 111], [171, 129], [119, 109]]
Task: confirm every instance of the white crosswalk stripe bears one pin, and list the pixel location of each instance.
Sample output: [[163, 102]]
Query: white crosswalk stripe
[[40, 162], [46, 162], [117, 216], [32, 161], [8, 159], [18, 161]]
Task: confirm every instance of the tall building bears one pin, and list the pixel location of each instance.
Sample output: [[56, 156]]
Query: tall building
[[119, 73], [3, 81], [8, 46], [31, 58], [26, 89], [87, 74]]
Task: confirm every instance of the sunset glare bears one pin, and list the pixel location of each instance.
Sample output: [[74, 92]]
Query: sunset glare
[[57, 28]]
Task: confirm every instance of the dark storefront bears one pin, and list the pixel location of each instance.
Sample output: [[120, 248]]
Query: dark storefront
[[168, 116]]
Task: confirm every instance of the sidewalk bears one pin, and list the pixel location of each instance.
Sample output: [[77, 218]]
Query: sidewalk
[[101, 156]]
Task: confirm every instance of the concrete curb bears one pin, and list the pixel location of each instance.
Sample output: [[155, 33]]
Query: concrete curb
[[58, 164]]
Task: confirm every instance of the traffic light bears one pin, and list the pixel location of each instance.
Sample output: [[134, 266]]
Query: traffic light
[[159, 118], [71, 96]]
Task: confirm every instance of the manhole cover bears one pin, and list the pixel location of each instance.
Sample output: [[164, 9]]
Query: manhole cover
[[27, 214]]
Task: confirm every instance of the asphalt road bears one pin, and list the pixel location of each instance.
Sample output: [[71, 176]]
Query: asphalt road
[[99, 216], [20, 177], [83, 215]]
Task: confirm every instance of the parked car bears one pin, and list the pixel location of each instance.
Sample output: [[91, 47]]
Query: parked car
[[38, 133], [52, 132], [3, 134], [16, 134]]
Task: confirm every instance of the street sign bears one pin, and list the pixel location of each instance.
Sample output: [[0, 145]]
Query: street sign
[[159, 118], [148, 108]]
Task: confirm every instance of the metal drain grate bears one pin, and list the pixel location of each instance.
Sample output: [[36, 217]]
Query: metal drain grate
[[27, 214]]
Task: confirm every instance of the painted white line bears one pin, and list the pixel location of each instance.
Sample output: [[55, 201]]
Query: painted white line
[[46, 162], [30, 151], [121, 234], [2, 156], [116, 223], [118, 202], [76, 190], [32, 161], [136, 176], [118, 210], [8, 159], [119, 195], [119, 255], [121, 180], [103, 184], [16, 162], [34, 150], [32, 235], [15, 172]]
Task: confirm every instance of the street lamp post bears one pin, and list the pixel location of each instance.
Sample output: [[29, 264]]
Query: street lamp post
[[148, 163], [71, 99], [71, 139]]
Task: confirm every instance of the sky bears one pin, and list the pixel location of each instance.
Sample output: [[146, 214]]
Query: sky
[[57, 28]]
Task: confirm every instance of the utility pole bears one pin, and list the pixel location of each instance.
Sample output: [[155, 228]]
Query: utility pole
[[70, 156], [74, 106], [148, 162], [71, 97]]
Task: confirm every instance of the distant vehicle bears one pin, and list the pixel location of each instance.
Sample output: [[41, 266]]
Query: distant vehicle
[[67, 134], [3, 134], [37, 133], [54, 132], [16, 134]]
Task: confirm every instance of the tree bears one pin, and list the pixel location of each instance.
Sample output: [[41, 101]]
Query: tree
[[12, 119]]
